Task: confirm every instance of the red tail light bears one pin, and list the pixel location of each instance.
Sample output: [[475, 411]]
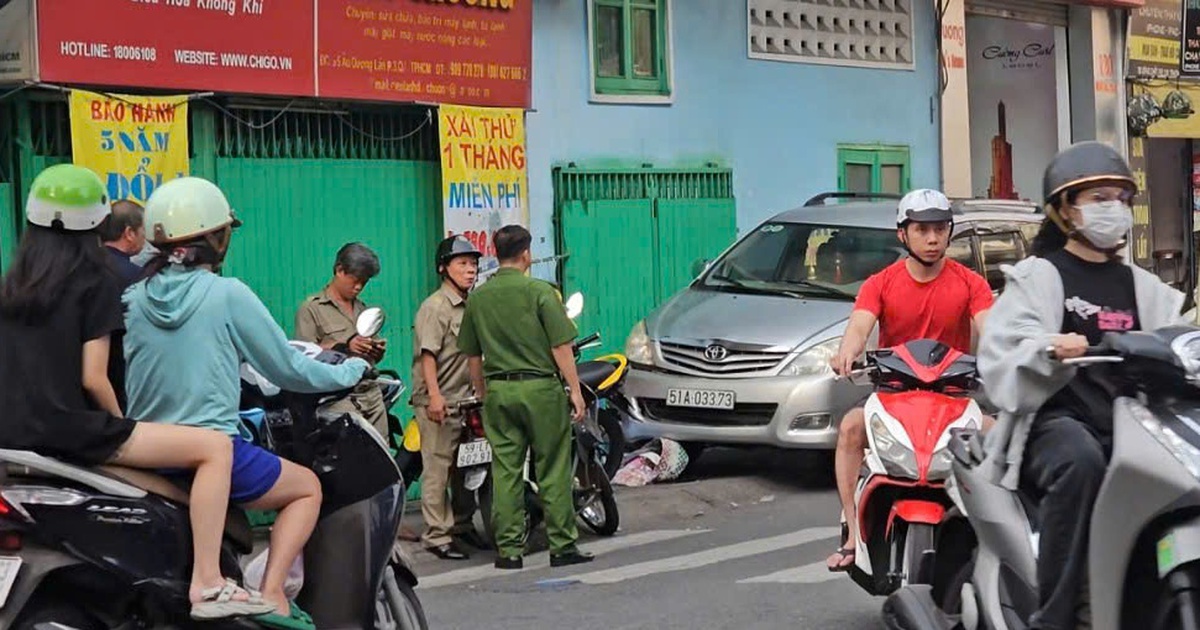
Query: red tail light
[[10, 541], [475, 421]]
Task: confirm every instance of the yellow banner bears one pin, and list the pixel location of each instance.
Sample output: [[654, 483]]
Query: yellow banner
[[135, 143], [1154, 49], [484, 181]]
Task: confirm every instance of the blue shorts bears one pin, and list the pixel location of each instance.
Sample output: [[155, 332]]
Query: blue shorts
[[255, 471]]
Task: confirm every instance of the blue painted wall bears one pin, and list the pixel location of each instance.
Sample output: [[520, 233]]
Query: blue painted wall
[[776, 124]]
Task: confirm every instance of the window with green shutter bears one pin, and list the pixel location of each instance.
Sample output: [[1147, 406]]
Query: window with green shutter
[[874, 168], [630, 48]]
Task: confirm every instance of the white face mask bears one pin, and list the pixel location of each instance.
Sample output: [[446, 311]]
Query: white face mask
[[1105, 223]]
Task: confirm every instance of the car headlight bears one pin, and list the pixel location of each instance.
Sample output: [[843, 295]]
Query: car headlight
[[1179, 448], [898, 459], [815, 360], [638, 348]]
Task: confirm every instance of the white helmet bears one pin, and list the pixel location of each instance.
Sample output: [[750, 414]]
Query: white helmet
[[67, 197], [186, 208], [923, 206]]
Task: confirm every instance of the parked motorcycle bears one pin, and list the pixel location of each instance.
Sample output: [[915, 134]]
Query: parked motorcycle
[[921, 393], [1143, 566], [110, 547]]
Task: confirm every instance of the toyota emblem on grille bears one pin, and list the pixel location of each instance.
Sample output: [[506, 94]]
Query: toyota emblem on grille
[[715, 353]]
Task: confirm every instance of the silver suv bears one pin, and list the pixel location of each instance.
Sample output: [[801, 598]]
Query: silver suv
[[741, 356]]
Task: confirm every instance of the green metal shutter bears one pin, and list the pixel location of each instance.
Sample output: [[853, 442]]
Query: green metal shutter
[[630, 237]]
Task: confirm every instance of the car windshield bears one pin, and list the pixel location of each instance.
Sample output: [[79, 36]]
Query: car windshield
[[801, 259]]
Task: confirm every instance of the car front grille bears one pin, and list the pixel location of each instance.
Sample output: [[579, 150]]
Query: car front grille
[[742, 414], [735, 363]]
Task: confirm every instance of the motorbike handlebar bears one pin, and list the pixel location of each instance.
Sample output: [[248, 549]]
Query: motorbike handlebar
[[1092, 355]]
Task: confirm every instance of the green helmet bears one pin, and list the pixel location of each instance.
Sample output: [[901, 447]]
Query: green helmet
[[67, 197], [186, 208]]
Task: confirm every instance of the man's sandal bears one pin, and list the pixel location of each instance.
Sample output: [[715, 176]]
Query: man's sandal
[[219, 603], [843, 553]]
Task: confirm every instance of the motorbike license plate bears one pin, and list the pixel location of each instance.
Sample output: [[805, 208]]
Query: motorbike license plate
[[700, 398], [9, 566], [474, 453]]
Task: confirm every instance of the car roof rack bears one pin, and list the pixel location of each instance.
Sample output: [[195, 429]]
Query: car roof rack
[[819, 200], [977, 204]]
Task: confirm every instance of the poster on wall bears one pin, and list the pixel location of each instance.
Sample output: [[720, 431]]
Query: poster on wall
[[1190, 42], [484, 182], [16, 41], [1154, 37], [135, 143], [1013, 88], [471, 53]]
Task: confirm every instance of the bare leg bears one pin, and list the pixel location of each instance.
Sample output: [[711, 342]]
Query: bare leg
[[297, 496], [210, 454], [852, 439]]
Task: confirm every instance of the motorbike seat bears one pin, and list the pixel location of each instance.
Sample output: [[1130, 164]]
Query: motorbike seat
[[593, 373], [237, 524]]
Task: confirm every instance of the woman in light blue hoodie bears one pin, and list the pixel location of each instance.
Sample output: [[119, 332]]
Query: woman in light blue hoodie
[[188, 330]]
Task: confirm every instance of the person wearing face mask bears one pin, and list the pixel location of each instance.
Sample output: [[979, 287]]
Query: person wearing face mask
[[1054, 433]]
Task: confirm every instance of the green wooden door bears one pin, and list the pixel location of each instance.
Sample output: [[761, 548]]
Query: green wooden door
[[610, 249], [690, 230]]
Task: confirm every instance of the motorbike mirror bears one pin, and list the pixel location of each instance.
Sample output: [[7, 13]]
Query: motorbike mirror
[[370, 322], [575, 305]]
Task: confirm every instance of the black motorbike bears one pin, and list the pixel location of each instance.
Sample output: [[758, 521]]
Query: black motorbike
[[110, 547]]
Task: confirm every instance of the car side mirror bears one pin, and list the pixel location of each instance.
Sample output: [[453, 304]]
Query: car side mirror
[[370, 322], [699, 266]]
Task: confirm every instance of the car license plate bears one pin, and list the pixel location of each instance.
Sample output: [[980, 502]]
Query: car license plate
[[474, 453], [9, 565], [700, 398]]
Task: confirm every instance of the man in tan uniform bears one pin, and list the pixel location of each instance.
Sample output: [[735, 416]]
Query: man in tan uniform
[[328, 319], [441, 379]]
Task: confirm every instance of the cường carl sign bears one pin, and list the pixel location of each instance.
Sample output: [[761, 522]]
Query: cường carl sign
[[134, 143], [484, 181]]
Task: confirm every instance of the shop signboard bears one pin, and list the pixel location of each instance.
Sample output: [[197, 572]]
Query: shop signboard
[[484, 181], [16, 41], [1154, 40], [476, 52], [1190, 40], [1140, 238]]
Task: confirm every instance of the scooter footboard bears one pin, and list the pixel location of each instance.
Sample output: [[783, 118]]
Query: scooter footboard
[[345, 558]]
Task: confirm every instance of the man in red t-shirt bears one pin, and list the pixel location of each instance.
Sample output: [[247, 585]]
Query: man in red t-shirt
[[923, 296]]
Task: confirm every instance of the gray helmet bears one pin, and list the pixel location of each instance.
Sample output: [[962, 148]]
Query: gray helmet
[[1085, 163], [454, 247]]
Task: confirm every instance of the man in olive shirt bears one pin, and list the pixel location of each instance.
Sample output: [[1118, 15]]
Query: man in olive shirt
[[441, 380], [519, 340], [329, 319]]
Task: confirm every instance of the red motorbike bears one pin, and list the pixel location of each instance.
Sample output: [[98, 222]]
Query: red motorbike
[[921, 392]]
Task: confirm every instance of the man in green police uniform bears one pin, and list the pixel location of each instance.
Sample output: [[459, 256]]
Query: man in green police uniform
[[519, 327]]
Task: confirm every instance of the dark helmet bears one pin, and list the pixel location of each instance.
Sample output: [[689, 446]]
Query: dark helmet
[[453, 247], [1084, 163]]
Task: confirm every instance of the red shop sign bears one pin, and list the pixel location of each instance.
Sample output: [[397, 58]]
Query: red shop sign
[[255, 46], [468, 52]]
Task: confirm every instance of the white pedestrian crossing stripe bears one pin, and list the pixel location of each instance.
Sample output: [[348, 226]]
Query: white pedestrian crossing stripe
[[541, 560], [706, 557], [814, 573]]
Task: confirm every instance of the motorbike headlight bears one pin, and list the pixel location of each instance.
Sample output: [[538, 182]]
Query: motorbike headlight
[[939, 466], [897, 457], [1187, 348], [638, 347], [815, 360], [1179, 448]]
